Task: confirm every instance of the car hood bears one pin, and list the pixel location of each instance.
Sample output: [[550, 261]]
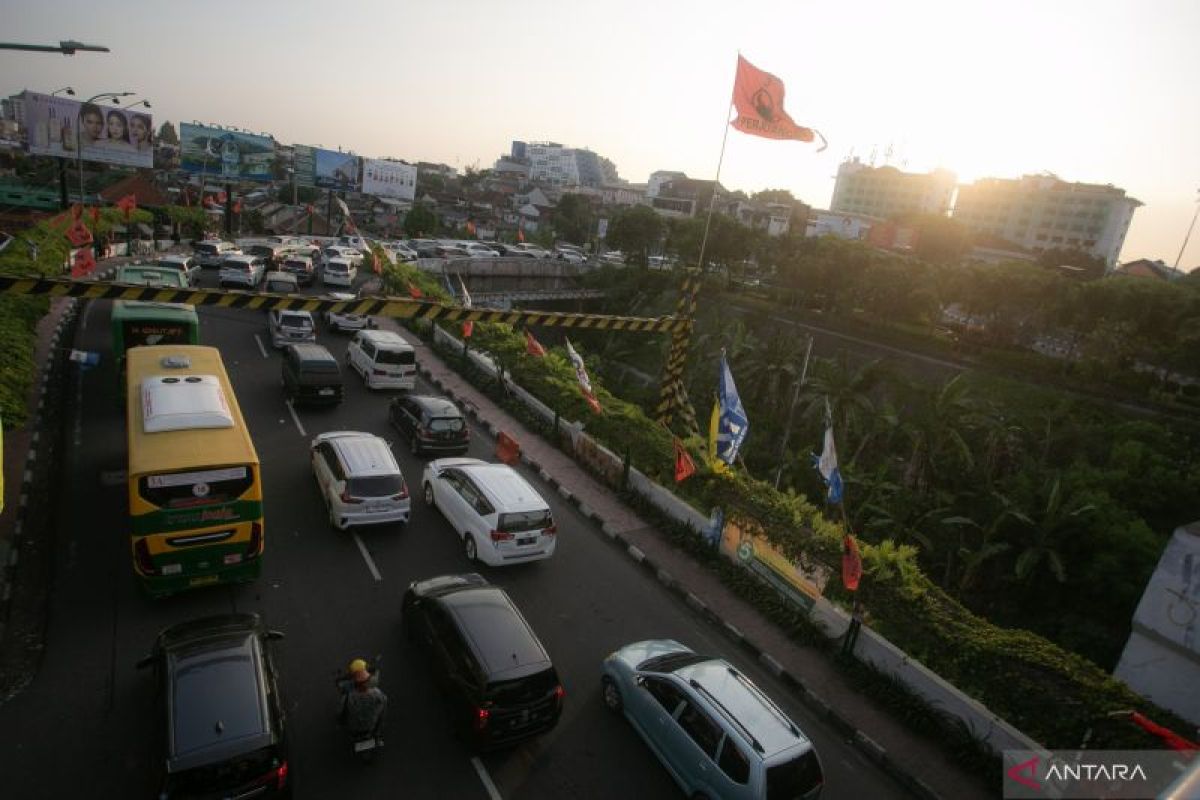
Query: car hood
[[637, 652]]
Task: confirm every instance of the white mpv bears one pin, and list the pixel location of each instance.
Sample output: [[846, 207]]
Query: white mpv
[[384, 360], [359, 479], [500, 517]]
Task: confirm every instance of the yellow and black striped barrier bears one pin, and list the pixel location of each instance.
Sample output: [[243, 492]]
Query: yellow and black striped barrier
[[399, 307]]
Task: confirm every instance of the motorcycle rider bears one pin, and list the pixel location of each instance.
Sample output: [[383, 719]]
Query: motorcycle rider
[[363, 702]]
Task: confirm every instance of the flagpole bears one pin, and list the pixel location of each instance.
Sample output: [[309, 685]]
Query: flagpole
[[712, 200]]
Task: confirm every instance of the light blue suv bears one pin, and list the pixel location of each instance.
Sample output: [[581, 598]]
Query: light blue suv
[[717, 734]]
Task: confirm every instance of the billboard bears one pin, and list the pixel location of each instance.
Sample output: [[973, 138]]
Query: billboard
[[221, 153], [389, 179], [59, 126], [326, 169]]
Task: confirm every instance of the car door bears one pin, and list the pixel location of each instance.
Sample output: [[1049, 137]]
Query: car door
[[450, 498], [652, 710], [404, 418], [324, 461], [694, 743]]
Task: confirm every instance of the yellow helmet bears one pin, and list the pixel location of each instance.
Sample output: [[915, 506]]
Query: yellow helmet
[[356, 665]]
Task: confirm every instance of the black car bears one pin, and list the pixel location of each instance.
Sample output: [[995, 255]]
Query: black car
[[311, 375], [223, 722], [431, 424], [497, 678]]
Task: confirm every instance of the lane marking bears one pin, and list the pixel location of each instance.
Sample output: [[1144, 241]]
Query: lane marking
[[362, 548], [485, 779], [261, 349], [295, 418]]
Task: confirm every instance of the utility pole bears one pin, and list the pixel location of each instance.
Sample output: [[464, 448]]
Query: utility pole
[[787, 431], [1179, 257]]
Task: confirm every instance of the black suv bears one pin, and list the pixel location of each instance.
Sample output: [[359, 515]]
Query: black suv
[[311, 375], [431, 424], [223, 717], [497, 677]]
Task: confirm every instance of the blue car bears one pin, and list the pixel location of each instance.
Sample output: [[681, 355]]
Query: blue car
[[715, 731]]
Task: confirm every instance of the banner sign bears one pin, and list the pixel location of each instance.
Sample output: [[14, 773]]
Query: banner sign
[[389, 179], [221, 153], [304, 162], [801, 583], [59, 126], [337, 171]]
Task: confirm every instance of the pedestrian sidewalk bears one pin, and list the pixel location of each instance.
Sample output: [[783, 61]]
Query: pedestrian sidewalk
[[917, 762]]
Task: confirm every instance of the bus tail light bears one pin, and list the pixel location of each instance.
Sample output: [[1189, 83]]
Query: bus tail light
[[254, 549], [141, 555]]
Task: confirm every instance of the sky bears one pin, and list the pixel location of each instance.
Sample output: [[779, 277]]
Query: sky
[[1096, 92]]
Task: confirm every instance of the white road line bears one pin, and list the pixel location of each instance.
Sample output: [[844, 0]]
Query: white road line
[[362, 548], [486, 779], [295, 418], [261, 349]]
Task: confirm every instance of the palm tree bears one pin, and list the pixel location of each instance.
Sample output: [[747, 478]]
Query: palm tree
[[1047, 529], [936, 425], [848, 392]]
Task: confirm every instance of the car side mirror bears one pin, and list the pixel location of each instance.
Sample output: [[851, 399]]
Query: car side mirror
[[274, 635], [145, 661], [640, 680]]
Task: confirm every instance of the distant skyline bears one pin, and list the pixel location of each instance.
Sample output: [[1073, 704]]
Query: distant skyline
[[1094, 92]]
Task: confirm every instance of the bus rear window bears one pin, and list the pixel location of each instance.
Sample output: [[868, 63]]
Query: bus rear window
[[189, 489]]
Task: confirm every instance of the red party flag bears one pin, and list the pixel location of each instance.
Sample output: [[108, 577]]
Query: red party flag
[[533, 346], [468, 329], [375, 263], [222, 197], [758, 98], [84, 263], [471, 227], [78, 234], [128, 204], [415, 292], [851, 563], [521, 234], [77, 211], [95, 215], [1172, 739], [684, 466], [237, 206]]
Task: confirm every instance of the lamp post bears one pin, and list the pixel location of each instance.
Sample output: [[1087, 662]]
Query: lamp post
[[66, 89], [79, 133]]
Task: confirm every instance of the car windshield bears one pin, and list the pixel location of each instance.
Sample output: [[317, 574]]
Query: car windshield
[[438, 424], [284, 286], [794, 778], [671, 661], [335, 267], [375, 486]]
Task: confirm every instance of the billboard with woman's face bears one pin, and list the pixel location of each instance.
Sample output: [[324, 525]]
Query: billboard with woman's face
[[59, 126], [221, 153]]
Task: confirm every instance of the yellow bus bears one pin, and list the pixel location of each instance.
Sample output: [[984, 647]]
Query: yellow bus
[[195, 490]]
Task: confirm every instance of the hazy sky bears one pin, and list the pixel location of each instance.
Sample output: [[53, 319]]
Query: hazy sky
[[1094, 91]]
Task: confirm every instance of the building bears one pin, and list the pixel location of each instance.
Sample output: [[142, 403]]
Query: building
[[1145, 268], [841, 225], [1043, 212], [1161, 660], [551, 162], [886, 192]]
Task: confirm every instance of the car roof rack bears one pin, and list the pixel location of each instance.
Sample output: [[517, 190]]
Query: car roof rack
[[791, 726], [695, 684]]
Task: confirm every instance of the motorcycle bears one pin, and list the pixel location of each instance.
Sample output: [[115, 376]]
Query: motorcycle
[[365, 741]]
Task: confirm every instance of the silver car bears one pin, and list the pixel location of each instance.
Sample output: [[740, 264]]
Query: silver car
[[342, 321], [359, 479]]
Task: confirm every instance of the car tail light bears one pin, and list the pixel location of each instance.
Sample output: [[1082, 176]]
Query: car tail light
[[378, 372], [550, 531], [346, 498], [281, 774], [254, 549], [501, 536], [141, 552], [481, 719], [403, 492], [559, 694]]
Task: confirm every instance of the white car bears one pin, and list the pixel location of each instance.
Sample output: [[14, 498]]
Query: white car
[[533, 250], [476, 250], [290, 327], [339, 272], [342, 321], [242, 270], [500, 517], [359, 479], [185, 264], [355, 257]]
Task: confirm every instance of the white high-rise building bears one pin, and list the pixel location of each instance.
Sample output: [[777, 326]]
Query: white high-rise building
[[886, 192], [1044, 212]]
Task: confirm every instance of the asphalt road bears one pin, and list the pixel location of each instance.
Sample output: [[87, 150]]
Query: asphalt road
[[85, 726]]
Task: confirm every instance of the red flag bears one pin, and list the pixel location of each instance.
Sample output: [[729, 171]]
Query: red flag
[[375, 263], [471, 227], [415, 292], [521, 234], [78, 234], [533, 346], [77, 211], [84, 263], [851, 563], [237, 207], [758, 97], [95, 215], [684, 466], [1172, 739], [468, 329], [309, 209], [222, 197]]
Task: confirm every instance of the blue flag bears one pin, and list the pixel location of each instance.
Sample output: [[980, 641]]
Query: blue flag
[[827, 465], [732, 423]]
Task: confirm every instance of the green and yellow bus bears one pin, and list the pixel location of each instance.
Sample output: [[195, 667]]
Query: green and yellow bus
[[136, 323], [195, 489]]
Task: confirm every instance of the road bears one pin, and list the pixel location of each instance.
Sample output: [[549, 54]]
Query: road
[[85, 725]]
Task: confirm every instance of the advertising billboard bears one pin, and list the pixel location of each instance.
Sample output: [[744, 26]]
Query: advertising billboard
[[221, 153], [59, 126], [389, 179], [325, 169]]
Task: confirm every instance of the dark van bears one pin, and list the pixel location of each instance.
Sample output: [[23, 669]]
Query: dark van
[[311, 375], [498, 680]]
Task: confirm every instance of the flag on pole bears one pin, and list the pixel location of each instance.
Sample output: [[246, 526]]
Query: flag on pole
[[376, 267], [827, 465], [851, 563], [85, 262], [1172, 739], [469, 325], [521, 233], [237, 206], [222, 197], [128, 204], [714, 423], [533, 347], [78, 234], [415, 292], [471, 227], [732, 425], [95, 215], [585, 383], [684, 466], [758, 98]]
